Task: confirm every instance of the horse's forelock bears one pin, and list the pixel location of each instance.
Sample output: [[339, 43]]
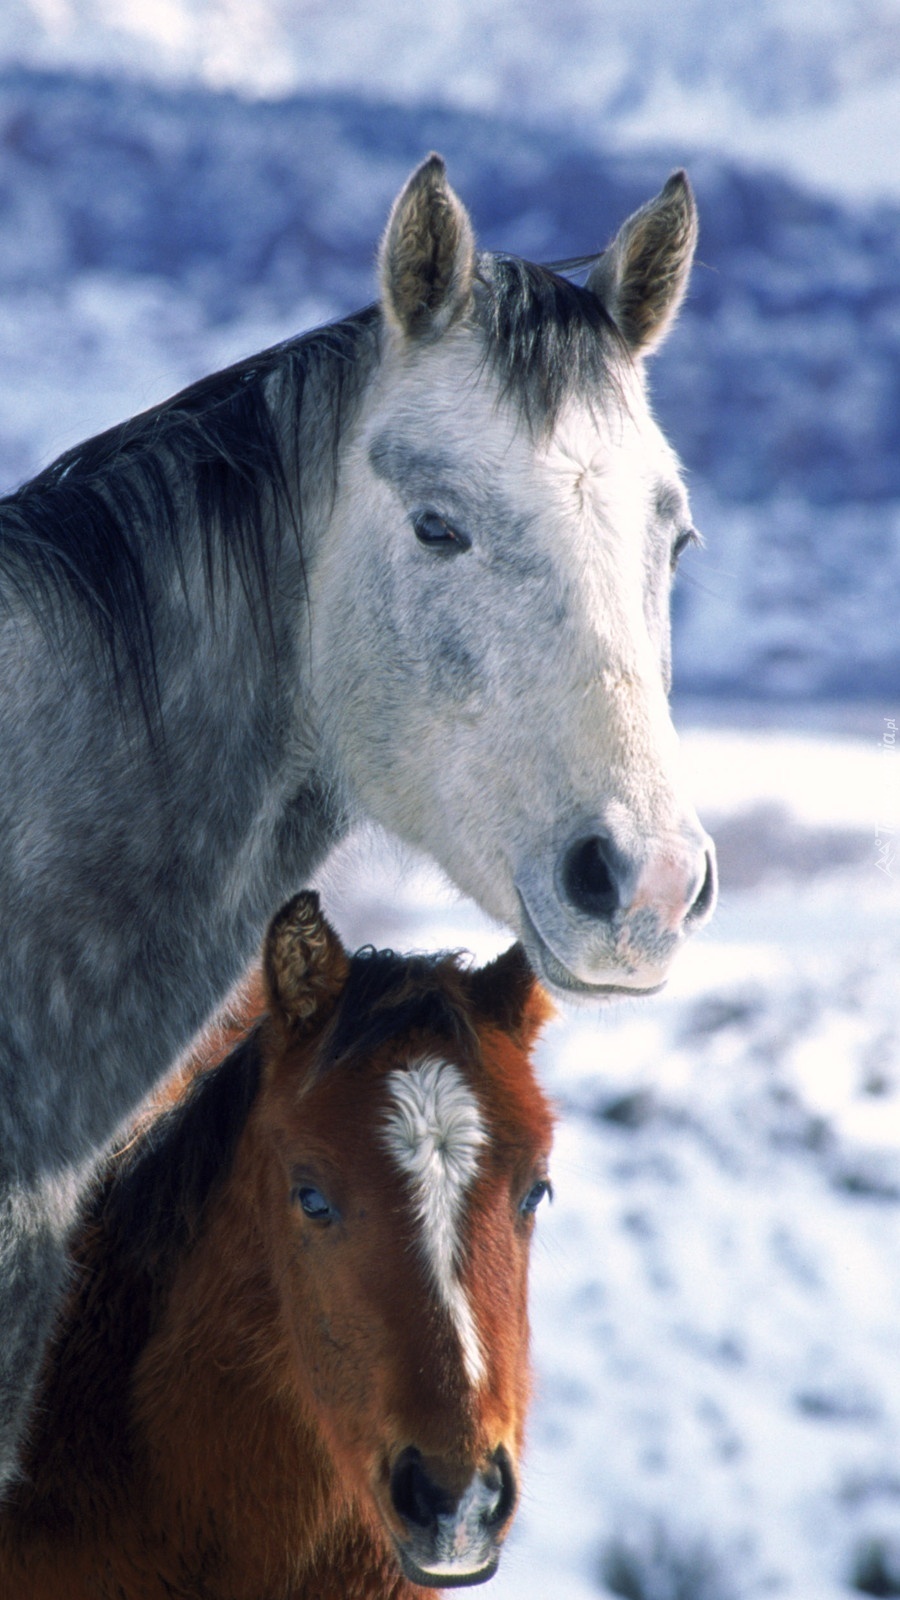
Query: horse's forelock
[[547, 338], [387, 996]]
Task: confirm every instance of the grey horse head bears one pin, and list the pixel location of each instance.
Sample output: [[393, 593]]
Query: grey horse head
[[490, 605]]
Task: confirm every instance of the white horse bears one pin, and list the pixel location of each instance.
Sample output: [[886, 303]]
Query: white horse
[[413, 567]]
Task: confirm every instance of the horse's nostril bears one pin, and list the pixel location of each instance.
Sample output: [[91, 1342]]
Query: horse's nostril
[[706, 897], [500, 1481], [416, 1497], [589, 877], [488, 1501]]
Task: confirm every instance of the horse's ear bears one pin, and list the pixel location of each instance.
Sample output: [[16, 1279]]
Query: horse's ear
[[642, 276], [427, 258], [507, 993], [304, 963]]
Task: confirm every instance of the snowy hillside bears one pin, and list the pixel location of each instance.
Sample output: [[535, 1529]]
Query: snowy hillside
[[148, 235], [716, 1288], [811, 88]]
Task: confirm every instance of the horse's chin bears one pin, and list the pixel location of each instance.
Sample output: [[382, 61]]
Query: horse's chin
[[558, 978], [460, 1579]]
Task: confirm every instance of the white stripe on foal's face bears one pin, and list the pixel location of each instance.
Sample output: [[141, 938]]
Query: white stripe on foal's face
[[434, 1132]]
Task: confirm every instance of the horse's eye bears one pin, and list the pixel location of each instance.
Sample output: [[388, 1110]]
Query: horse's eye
[[433, 531], [312, 1203], [542, 1190], [686, 537]]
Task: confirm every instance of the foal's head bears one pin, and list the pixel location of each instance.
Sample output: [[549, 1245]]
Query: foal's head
[[411, 1143]]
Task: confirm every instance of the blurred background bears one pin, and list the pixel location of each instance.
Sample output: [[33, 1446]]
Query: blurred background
[[716, 1297]]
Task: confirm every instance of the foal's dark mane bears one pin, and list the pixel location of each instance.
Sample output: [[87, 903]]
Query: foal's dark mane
[[89, 532], [143, 1212], [159, 1186]]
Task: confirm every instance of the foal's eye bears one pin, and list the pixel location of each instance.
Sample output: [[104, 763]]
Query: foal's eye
[[686, 537], [312, 1203], [437, 534], [542, 1190]]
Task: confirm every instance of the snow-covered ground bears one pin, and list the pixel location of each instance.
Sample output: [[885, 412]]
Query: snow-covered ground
[[149, 234], [716, 1288]]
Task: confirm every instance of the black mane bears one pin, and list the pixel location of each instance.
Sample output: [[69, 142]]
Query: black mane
[[156, 1191], [147, 1206], [388, 996], [75, 538], [213, 453]]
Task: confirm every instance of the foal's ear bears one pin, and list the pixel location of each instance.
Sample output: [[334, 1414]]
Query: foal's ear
[[507, 993], [427, 258], [304, 963], [642, 276]]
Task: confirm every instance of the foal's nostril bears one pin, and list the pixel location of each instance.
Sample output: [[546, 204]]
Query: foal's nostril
[[589, 877], [706, 898], [500, 1481], [488, 1501], [416, 1497]]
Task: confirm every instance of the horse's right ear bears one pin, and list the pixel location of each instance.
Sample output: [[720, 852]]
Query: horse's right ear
[[304, 964], [507, 993], [427, 258]]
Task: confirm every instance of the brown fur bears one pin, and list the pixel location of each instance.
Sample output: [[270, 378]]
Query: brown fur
[[221, 1425]]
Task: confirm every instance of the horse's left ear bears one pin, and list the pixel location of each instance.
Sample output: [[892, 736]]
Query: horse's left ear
[[427, 258], [642, 276], [507, 993], [304, 964]]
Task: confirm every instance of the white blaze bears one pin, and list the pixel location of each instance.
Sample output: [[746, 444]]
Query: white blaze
[[434, 1132]]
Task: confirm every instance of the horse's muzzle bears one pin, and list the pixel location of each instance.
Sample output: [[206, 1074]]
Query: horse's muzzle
[[599, 880], [452, 1538], [608, 917]]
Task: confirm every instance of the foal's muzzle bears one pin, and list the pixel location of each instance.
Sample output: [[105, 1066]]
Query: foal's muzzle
[[452, 1537]]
